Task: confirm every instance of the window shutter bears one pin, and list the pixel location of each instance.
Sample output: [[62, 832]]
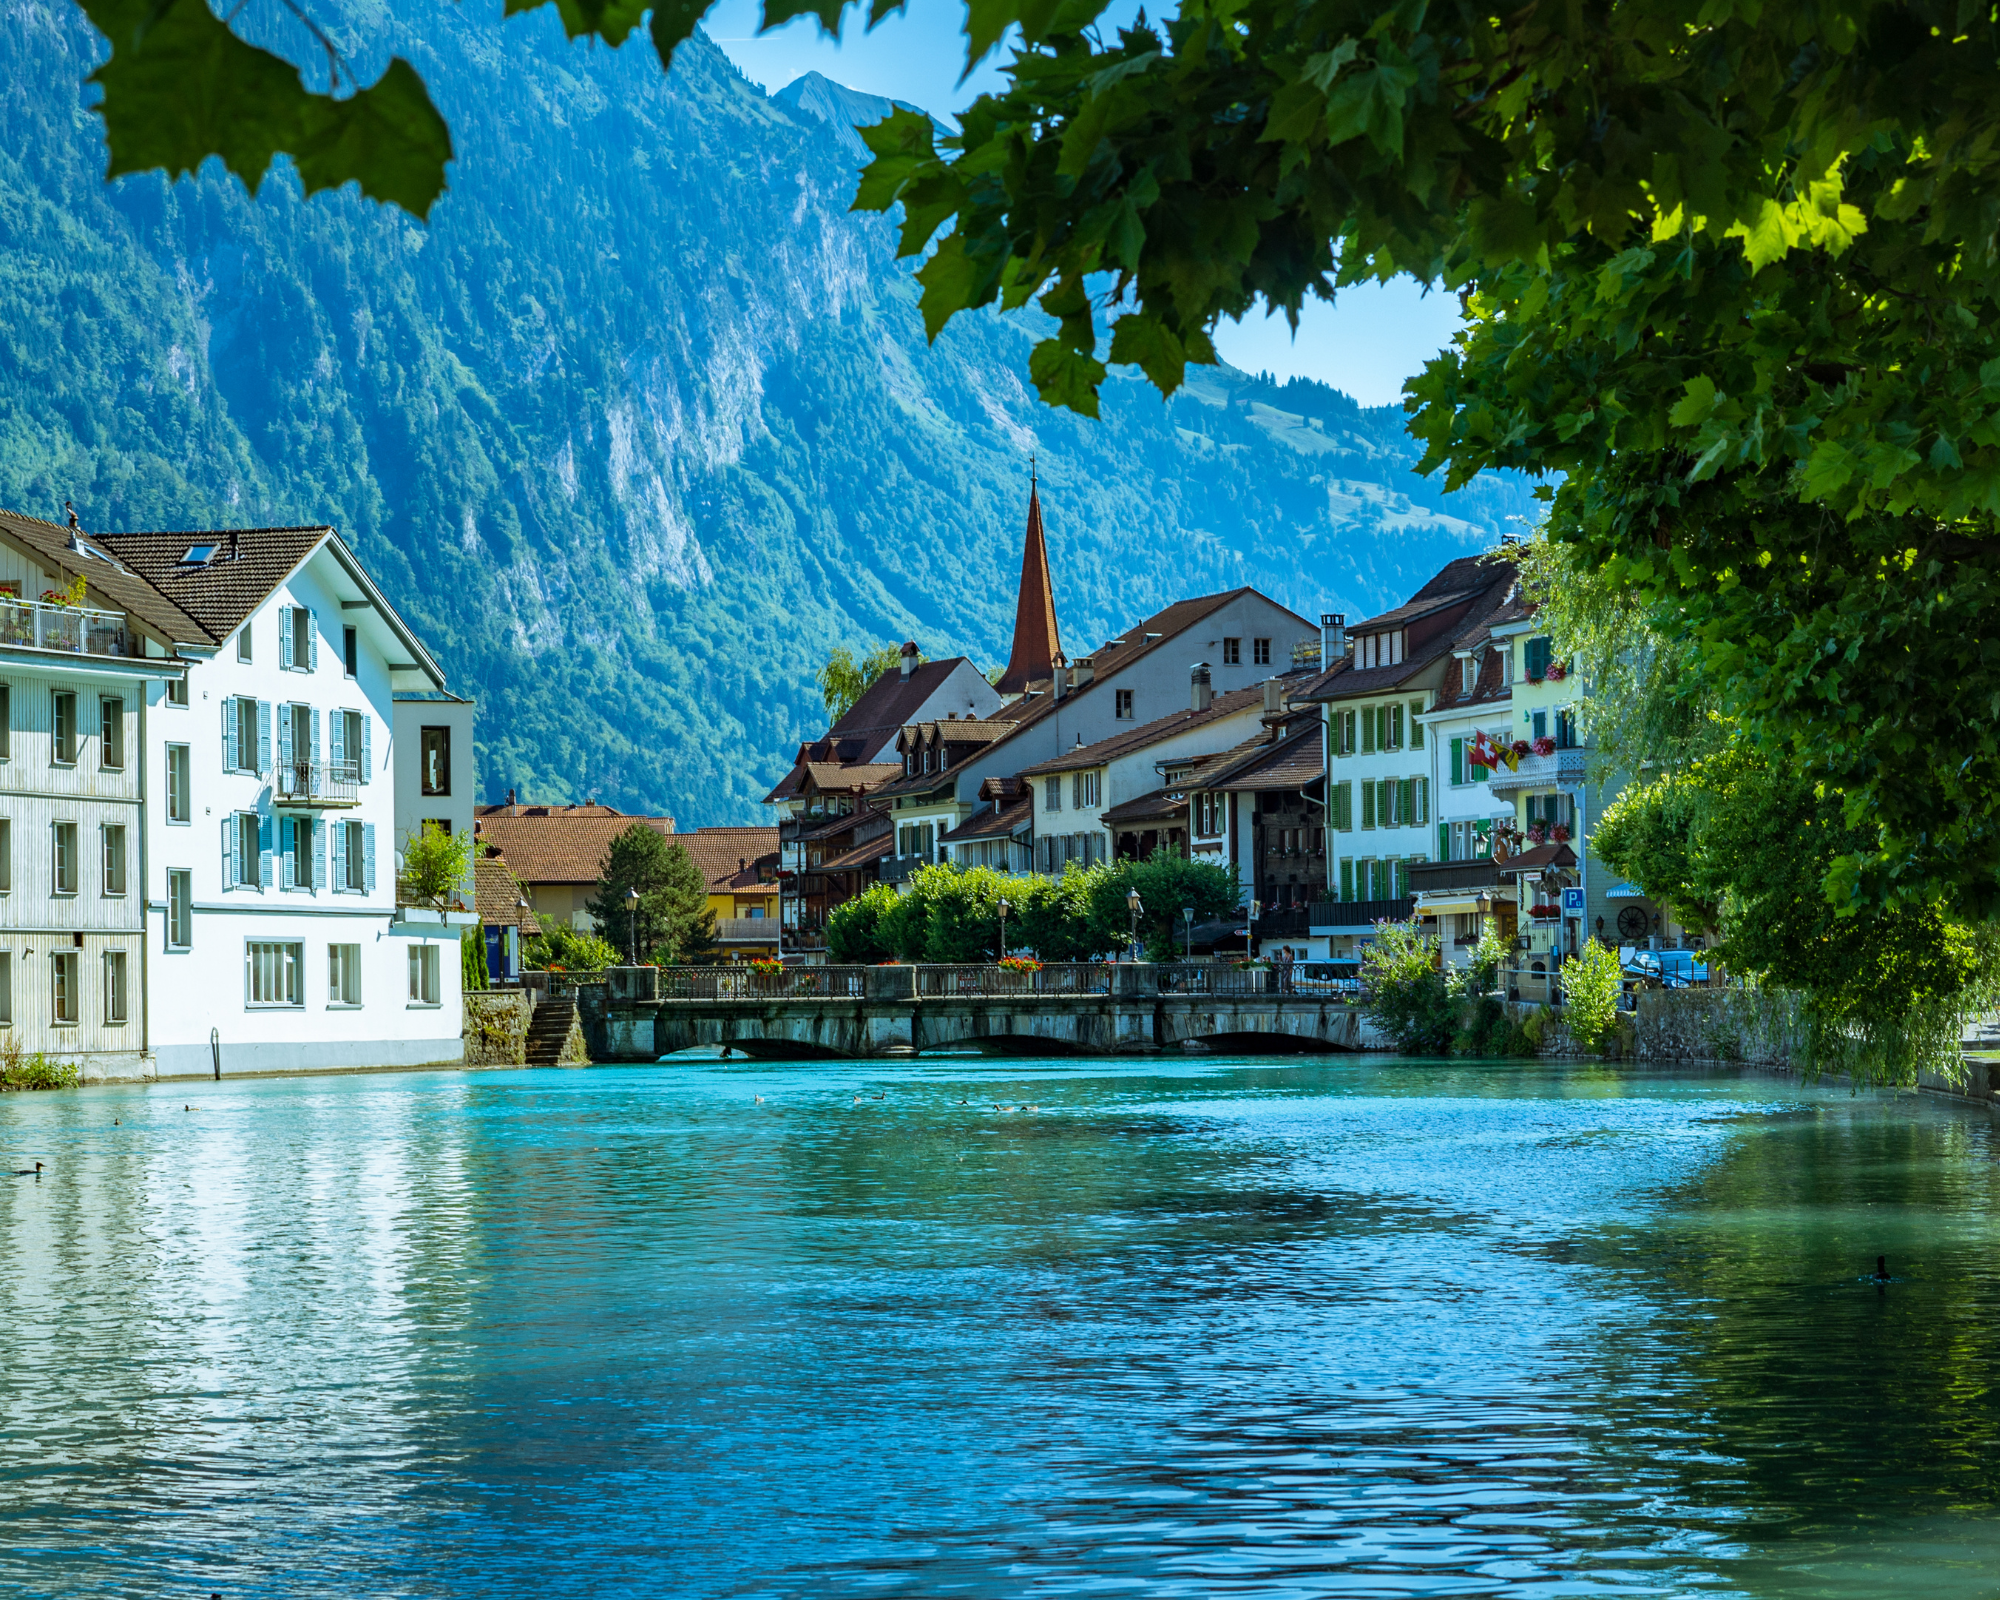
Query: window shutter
[[319, 854], [339, 879], [367, 760], [287, 829], [1416, 727], [1368, 731], [337, 737], [1395, 739], [1423, 799], [1457, 761], [312, 643], [1444, 841], [284, 638], [315, 748], [264, 850], [1367, 804], [263, 736], [285, 737], [229, 761], [229, 834], [368, 857], [1347, 880], [1406, 801]]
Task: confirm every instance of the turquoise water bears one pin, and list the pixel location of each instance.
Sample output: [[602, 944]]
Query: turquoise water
[[1353, 1328]]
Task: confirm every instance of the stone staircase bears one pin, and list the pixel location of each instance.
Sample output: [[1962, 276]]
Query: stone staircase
[[551, 1032]]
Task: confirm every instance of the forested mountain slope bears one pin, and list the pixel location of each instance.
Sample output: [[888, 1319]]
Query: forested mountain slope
[[644, 421]]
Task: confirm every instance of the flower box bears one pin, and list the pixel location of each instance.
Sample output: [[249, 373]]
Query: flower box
[[1544, 746]]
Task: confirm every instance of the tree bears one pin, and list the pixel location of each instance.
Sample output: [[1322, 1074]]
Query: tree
[[1404, 992], [1168, 885], [472, 960], [559, 947], [671, 921], [843, 680], [1590, 984], [436, 863], [854, 927]]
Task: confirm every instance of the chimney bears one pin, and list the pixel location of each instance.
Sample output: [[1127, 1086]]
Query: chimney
[[1081, 674], [909, 657], [1274, 696], [1200, 695], [1059, 680], [1332, 638]]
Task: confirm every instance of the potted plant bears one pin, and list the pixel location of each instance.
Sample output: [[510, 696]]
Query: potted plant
[[1559, 834], [1019, 964], [1520, 748], [1544, 746], [1557, 672]]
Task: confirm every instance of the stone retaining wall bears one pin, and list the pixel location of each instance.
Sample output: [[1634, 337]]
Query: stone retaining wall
[[496, 1028]]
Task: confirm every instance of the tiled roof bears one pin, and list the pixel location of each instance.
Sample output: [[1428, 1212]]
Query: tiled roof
[[1540, 858], [248, 564], [1162, 805], [725, 854], [1001, 821], [960, 730], [850, 778], [1491, 686], [122, 586], [557, 848], [590, 808], [496, 895], [1471, 581], [1122, 744], [1291, 763], [860, 856], [893, 700]]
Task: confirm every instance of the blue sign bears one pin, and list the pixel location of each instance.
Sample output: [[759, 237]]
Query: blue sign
[[1572, 902]]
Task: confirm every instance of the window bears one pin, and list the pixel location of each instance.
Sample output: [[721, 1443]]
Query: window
[[1566, 728], [1343, 806], [1457, 763], [1347, 880], [1123, 698], [350, 746], [1087, 790], [180, 908], [180, 791], [436, 757], [1468, 675], [243, 851], [246, 734], [114, 858], [6, 988], [350, 652], [198, 555], [65, 727], [6, 723], [1507, 666], [271, 973], [63, 997], [243, 643], [1367, 804], [1343, 732], [114, 986], [1368, 730], [1260, 652], [1052, 795], [353, 857], [299, 873], [1535, 657], [177, 691], [1232, 652], [111, 731], [303, 640], [65, 862], [1416, 727], [423, 974], [6, 855], [343, 974]]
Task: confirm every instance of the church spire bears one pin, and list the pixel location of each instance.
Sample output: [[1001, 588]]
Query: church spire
[[1037, 643]]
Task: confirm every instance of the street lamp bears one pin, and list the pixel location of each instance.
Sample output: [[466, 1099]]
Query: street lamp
[[1135, 906], [632, 900], [1188, 913], [1004, 908]]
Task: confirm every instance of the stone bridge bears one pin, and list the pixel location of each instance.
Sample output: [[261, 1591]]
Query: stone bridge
[[873, 1011]]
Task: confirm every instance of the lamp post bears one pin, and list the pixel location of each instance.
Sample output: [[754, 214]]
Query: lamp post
[[632, 901], [520, 921], [1134, 905], [1188, 913], [1004, 908]]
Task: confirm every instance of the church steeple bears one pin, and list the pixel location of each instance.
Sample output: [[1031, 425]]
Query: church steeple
[[1037, 643]]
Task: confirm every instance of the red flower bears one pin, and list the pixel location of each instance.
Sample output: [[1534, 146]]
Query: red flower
[[1520, 747], [1557, 672], [1545, 746]]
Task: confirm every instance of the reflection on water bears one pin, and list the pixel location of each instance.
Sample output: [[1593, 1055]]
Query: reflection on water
[[1326, 1328]]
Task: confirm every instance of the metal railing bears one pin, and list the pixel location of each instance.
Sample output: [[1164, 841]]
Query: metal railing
[[746, 983], [28, 624], [947, 982], [746, 930], [317, 783], [1202, 977]]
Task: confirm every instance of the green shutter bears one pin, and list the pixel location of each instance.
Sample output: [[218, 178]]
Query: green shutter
[[1416, 727], [1444, 841], [1423, 799], [1368, 730], [1367, 804], [1347, 880], [1457, 762]]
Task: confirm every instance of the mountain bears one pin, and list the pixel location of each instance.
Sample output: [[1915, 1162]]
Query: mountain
[[644, 421]]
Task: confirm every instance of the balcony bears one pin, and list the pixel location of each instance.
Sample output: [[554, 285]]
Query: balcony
[[1456, 877], [29, 625], [317, 785], [894, 869], [746, 930], [1565, 767]]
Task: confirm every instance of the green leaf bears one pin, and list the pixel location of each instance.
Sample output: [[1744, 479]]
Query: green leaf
[[389, 137], [779, 12], [673, 22], [1768, 237], [1065, 376], [1141, 340], [1695, 405]]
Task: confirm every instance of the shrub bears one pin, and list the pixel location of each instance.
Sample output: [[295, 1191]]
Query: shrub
[[1590, 995], [560, 948], [854, 933], [472, 960], [1403, 990], [19, 1070], [436, 865]]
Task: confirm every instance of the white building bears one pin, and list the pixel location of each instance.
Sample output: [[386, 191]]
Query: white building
[[269, 754]]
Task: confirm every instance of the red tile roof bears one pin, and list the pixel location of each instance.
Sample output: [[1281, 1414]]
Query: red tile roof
[[1122, 744], [556, 848], [727, 855], [496, 895]]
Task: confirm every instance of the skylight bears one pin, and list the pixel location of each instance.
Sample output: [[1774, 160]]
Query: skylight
[[198, 554]]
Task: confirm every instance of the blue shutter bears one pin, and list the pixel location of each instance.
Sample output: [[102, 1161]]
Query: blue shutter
[[336, 737], [284, 638], [229, 761], [229, 832], [287, 852], [339, 879], [368, 856], [285, 753], [264, 843], [263, 736], [312, 642], [319, 854], [316, 742], [367, 758]]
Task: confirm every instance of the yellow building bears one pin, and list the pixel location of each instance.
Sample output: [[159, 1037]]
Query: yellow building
[[741, 868]]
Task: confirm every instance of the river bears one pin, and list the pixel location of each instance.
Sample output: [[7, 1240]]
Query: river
[[1204, 1327]]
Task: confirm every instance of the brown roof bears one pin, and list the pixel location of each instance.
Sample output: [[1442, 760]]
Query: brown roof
[[558, 848], [119, 585], [1291, 763], [496, 895], [860, 856], [1037, 641], [1491, 686], [893, 700], [1121, 744], [248, 564], [846, 778], [590, 808], [1001, 821], [1160, 805], [1472, 584], [727, 854], [1542, 856]]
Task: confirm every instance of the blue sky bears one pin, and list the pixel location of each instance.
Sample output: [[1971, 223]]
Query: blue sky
[[1367, 344]]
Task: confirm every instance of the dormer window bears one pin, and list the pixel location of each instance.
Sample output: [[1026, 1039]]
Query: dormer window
[[1469, 673]]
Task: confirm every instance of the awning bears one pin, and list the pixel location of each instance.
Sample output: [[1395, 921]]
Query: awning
[[1456, 903], [1622, 890]]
